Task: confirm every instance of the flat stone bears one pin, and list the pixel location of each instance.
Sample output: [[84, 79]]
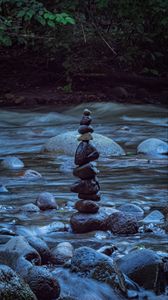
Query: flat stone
[[86, 206], [85, 153], [85, 137], [84, 129], [85, 187], [94, 197], [106, 146], [153, 146], [87, 171]]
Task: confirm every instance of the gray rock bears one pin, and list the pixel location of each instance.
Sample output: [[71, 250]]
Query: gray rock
[[142, 266], [153, 146], [105, 145], [31, 175], [93, 264], [132, 209], [42, 283], [30, 207], [46, 201], [155, 217], [12, 287], [12, 162], [62, 253], [120, 223], [19, 255], [41, 247]]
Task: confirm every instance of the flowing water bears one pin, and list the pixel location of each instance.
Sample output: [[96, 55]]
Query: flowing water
[[130, 179]]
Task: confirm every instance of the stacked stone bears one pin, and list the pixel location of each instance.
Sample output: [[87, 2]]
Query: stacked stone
[[87, 186]]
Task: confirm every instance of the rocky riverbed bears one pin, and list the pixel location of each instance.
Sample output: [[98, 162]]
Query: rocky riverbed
[[121, 252]]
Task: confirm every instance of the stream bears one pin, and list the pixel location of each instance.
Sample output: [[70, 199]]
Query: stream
[[134, 178]]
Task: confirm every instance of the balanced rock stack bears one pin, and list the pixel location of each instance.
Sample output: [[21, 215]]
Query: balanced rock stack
[[87, 186]]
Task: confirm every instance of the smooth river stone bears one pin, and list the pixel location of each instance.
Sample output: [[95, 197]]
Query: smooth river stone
[[86, 112], [84, 129], [86, 171], [153, 146], [85, 137], [85, 187], [86, 120], [12, 163], [94, 197], [85, 153], [86, 206], [66, 143]]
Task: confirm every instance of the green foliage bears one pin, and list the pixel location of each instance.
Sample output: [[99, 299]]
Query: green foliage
[[130, 33]]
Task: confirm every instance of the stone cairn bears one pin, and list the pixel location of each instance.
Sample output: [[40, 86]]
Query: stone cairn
[[87, 186]]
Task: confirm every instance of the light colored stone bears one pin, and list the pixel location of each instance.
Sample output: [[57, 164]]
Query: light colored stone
[[85, 137], [12, 162], [153, 146], [67, 143], [155, 217]]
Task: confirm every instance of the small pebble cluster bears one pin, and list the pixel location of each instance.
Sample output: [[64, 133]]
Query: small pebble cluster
[[88, 186]]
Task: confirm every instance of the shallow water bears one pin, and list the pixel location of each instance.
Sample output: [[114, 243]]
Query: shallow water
[[130, 179]]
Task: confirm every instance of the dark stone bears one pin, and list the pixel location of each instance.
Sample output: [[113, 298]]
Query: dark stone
[[86, 120], [85, 153], [85, 187], [41, 247], [142, 266], [120, 223], [86, 171], [12, 286], [94, 197], [43, 283], [86, 206], [84, 129], [82, 222]]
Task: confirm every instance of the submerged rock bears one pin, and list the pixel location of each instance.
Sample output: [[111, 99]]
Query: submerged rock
[[132, 209], [12, 163], [46, 201], [30, 207], [106, 146], [31, 175], [12, 287], [153, 146], [143, 267], [3, 189]]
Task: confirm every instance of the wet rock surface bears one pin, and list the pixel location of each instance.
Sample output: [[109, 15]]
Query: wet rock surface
[[120, 223], [87, 206], [12, 162], [12, 286], [143, 267], [62, 253]]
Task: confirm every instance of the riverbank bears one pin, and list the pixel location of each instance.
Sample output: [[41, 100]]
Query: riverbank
[[27, 81]]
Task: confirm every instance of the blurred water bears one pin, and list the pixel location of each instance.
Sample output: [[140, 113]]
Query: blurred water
[[130, 179]]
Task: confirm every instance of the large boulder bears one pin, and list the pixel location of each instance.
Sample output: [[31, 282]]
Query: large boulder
[[13, 287], [153, 146], [143, 267], [93, 264], [105, 145]]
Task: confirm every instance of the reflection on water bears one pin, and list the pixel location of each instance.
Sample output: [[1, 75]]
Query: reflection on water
[[130, 179]]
